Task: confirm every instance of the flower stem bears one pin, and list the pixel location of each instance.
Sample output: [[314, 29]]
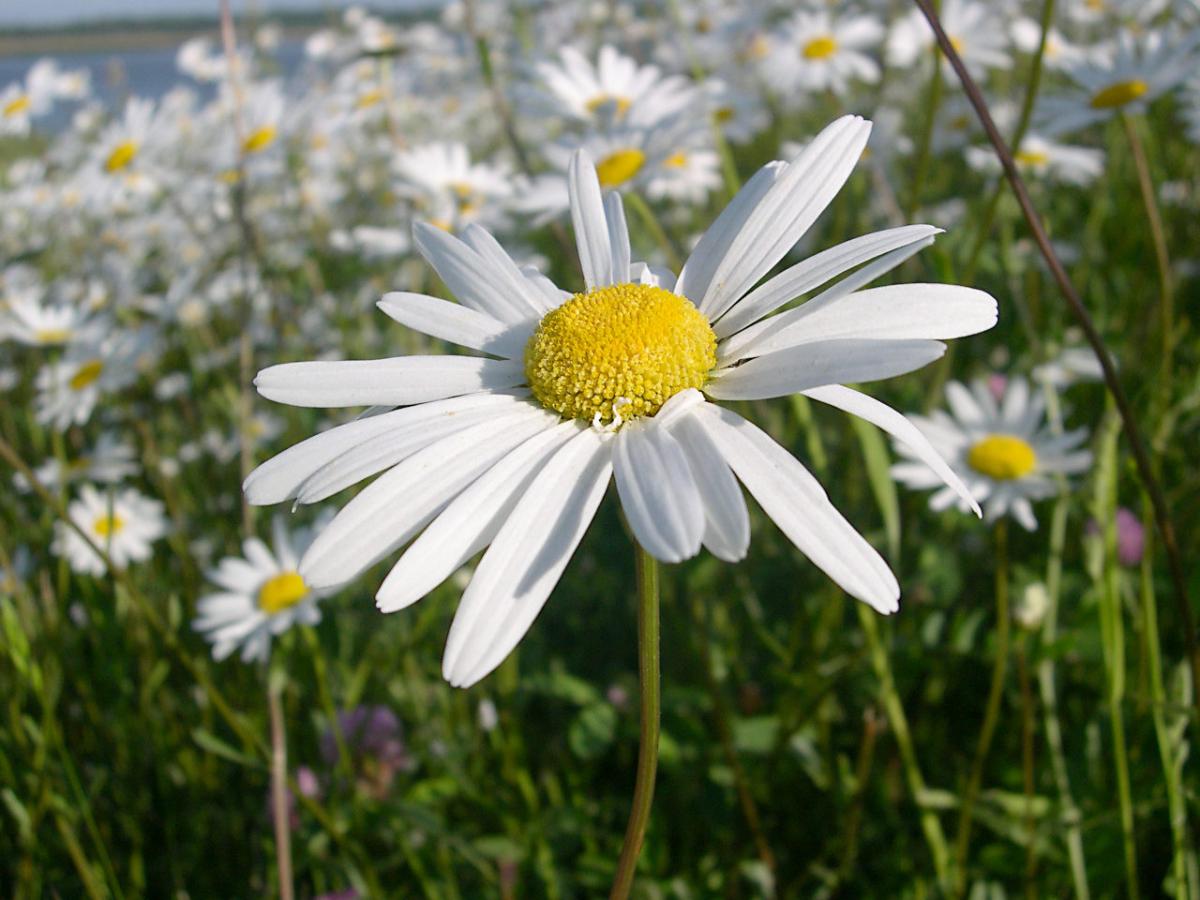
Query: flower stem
[[646, 214], [647, 763], [279, 787], [992, 711]]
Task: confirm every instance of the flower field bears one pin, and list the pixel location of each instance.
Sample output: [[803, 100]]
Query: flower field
[[665, 450]]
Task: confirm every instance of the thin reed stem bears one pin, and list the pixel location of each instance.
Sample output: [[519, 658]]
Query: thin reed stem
[[279, 788], [1137, 445], [651, 702], [650, 220], [991, 716]]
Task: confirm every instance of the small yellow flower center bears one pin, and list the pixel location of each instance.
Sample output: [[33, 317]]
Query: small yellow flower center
[[627, 342], [723, 114], [957, 44], [676, 160], [1032, 157], [1119, 94], [16, 106], [52, 335], [621, 104], [1002, 457], [369, 99], [758, 47], [281, 592], [259, 139], [86, 374], [121, 156], [618, 167], [821, 47], [107, 526]]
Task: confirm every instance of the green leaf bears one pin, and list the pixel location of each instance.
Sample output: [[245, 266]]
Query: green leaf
[[883, 488], [592, 731]]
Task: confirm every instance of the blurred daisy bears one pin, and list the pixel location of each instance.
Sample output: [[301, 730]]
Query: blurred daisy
[[110, 461], [1044, 159], [1127, 77], [69, 389], [124, 524], [1003, 449], [123, 143], [1059, 53], [261, 595], [514, 451], [26, 320], [448, 188], [1191, 108], [975, 30], [816, 51], [615, 89]]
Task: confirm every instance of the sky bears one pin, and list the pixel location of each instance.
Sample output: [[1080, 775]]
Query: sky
[[63, 12]]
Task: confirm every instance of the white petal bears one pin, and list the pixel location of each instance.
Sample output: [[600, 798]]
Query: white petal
[[527, 558], [456, 323], [797, 504], [470, 522], [964, 405], [399, 381], [278, 478], [790, 207], [825, 362], [726, 520], [893, 312], [506, 275], [815, 271], [618, 237], [898, 426], [472, 280], [658, 492], [712, 247], [587, 216], [387, 513]]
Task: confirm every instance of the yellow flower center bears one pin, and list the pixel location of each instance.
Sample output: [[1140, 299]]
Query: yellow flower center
[[957, 44], [758, 47], [122, 155], [618, 167], [622, 104], [17, 105], [1032, 157], [1119, 93], [633, 343], [107, 526], [822, 47], [1002, 457], [281, 592], [676, 160], [86, 374], [259, 139], [52, 335], [369, 99], [723, 114]]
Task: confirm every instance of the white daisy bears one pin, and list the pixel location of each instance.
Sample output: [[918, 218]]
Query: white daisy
[[1044, 158], [448, 187], [975, 31], [69, 389], [262, 595], [1004, 450], [1127, 77], [514, 451], [124, 524], [26, 320], [816, 51]]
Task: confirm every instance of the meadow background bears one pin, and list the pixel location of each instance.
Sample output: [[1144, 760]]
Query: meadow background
[[810, 748]]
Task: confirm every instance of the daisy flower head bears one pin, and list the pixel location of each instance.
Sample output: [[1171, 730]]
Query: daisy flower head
[[1000, 443], [450, 189], [24, 318], [123, 523], [1124, 78], [97, 364], [975, 30], [513, 451], [122, 146], [614, 90], [817, 51], [261, 595], [1044, 159]]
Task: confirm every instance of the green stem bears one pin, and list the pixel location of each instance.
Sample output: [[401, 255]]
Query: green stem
[[930, 824], [647, 763], [933, 103], [1158, 237], [279, 787], [992, 711], [1176, 804]]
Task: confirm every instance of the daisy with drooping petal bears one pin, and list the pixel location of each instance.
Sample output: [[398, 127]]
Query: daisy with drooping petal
[[262, 595], [124, 524], [26, 320], [514, 451], [816, 51], [69, 389], [1127, 77], [1004, 450]]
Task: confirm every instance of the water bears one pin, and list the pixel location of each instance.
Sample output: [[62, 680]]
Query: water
[[117, 74]]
